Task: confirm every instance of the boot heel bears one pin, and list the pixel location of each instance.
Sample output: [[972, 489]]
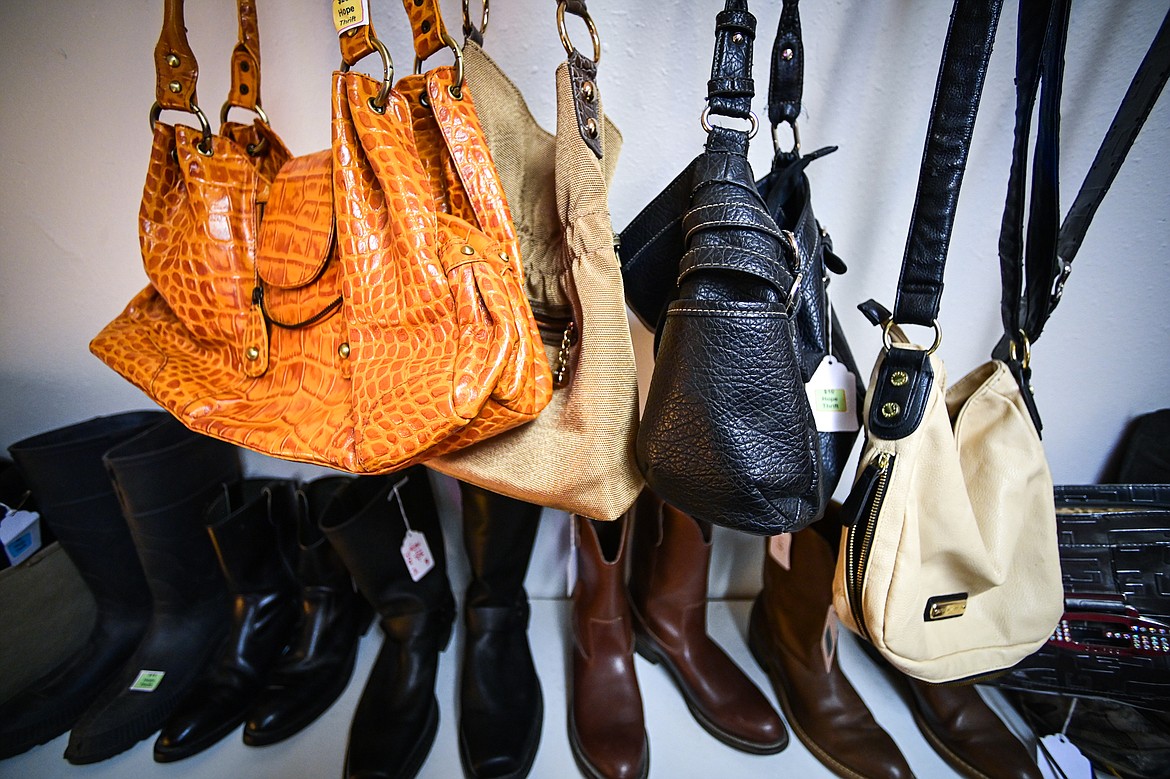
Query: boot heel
[[645, 648]]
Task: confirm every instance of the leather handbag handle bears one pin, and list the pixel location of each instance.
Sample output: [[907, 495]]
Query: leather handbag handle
[[731, 88], [426, 21], [786, 81], [177, 71], [948, 140]]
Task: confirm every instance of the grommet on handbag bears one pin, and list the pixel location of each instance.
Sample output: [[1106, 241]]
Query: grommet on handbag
[[727, 435], [361, 307], [578, 455], [948, 561]]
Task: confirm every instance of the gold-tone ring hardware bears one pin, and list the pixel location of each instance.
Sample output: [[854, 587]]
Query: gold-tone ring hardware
[[899, 378], [795, 150], [751, 118], [343, 351], [588, 91], [204, 146], [568, 43], [468, 27], [887, 344], [454, 90], [252, 353], [467, 250], [891, 410], [1027, 350], [173, 60], [591, 127], [378, 103], [229, 105]]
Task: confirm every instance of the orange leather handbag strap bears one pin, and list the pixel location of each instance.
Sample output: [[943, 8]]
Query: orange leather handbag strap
[[357, 43], [426, 21], [177, 71]]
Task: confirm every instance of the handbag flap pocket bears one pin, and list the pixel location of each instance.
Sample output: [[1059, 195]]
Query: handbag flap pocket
[[297, 231]]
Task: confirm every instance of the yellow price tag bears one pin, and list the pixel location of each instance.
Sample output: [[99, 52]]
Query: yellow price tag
[[348, 14]]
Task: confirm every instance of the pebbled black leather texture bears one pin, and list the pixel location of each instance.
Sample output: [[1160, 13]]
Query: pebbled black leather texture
[[730, 90], [786, 81]]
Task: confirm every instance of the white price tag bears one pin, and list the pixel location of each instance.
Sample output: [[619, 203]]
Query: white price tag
[[832, 394], [417, 554], [1070, 763]]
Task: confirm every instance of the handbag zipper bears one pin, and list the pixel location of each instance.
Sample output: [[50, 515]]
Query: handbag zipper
[[861, 513]]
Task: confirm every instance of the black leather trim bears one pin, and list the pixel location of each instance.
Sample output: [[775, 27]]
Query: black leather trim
[[910, 395]]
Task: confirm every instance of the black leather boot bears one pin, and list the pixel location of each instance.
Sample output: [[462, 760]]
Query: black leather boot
[[501, 709], [165, 479], [64, 471], [334, 616], [251, 525], [397, 717]]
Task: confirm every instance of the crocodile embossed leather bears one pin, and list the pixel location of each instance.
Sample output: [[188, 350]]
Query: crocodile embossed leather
[[361, 308]]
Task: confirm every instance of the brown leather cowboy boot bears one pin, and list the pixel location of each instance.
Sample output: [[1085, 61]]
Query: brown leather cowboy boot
[[967, 734], [792, 634], [668, 601], [607, 731]]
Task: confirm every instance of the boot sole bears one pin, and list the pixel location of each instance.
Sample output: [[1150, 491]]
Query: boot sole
[[28, 738], [756, 645], [647, 648]]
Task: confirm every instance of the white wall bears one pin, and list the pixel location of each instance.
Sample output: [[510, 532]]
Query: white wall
[[78, 81]]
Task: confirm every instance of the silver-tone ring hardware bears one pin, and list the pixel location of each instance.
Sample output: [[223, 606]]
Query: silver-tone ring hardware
[[568, 43], [483, 19], [795, 150], [891, 410], [703, 120]]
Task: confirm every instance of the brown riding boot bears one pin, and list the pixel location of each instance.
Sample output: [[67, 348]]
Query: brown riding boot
[[967, 733], [668, 601], [792, 634], [607, 731]]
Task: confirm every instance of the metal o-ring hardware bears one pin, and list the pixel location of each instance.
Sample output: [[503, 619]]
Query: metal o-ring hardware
[[456, 89], [887, 343], [483, 18], [567, 42], [378, 102], [751, 118], [204, 146], [254, 149], [795, 150], [1027, 350]]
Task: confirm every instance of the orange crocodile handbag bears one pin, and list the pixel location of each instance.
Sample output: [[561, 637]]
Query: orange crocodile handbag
[[361, 307]]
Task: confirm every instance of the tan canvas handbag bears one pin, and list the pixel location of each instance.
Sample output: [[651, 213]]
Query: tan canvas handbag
[[949, 563], [578, 455]]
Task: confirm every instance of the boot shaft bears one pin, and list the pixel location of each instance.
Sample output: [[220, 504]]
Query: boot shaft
[[366, 522], [669, 560], [251, 524], [317, 564], [498, 535], [601, 611]]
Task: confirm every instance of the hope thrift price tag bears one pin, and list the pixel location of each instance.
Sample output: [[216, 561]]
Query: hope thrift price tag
[[417, 554], [832, 394]]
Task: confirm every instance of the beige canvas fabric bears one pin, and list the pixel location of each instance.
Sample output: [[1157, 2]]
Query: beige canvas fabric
[[968, 509], [578, 455]]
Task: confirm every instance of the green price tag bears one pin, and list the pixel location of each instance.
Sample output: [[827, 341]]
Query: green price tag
[[147, 681]]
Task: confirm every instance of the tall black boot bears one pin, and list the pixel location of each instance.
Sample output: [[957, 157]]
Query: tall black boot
[[501, 709], [397, 717], [334, 617], [251, 525], [165, 479], [64, 471]]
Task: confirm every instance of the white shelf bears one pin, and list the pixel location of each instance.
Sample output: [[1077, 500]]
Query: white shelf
[[679, 748]]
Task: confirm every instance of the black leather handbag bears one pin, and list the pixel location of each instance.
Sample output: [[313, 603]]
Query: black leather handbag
[[827, 365], [725, 279]]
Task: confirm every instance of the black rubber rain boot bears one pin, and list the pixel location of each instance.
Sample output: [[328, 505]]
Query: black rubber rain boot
[[501, 709], [397, 717], [334, 616], [64, 471], [251, 525], [165, 478]]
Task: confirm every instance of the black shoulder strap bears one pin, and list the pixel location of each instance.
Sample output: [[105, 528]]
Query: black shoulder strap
[[731, 88], [786, 81], [948, 140]]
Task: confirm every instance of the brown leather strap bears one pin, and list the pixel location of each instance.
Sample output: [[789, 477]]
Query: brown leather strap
[[426, 20], [176, 70], [245, 92]]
